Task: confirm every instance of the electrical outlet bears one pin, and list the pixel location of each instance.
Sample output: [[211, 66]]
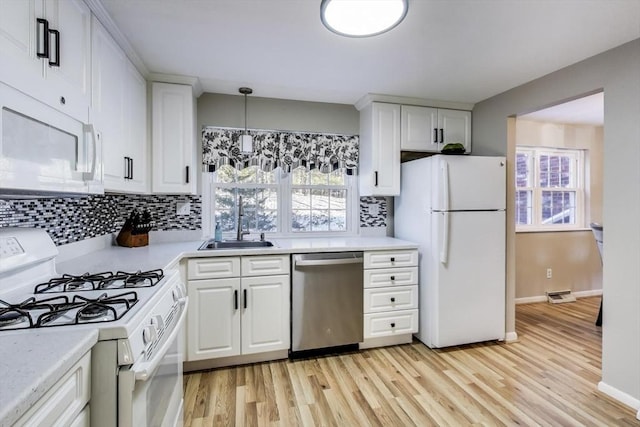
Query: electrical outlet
[[183, 208], [549, 273], [374, 209]]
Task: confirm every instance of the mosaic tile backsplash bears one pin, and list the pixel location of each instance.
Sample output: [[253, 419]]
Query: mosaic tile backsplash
[[73, 219], [77, 218]]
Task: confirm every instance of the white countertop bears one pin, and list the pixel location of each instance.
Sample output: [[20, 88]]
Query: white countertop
[[163, 255], [32, 361]]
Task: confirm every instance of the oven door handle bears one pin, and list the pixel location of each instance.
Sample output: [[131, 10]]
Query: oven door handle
[[145, 370]]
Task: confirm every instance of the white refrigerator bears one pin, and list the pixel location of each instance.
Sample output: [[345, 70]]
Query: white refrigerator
[[454, 208]]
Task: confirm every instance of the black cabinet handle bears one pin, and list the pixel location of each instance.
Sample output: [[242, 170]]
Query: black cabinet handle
[[244, 297], [393, 299], [393, 277], [126, 167], [435, 135], [393, 259], [375, 178], [441, 135], [393, 325], [235, 299], [42, 49], [130, 168], [55, 62], [187, 174]]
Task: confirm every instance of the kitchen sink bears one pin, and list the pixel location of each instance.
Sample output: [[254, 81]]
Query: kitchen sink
[[235, 244]]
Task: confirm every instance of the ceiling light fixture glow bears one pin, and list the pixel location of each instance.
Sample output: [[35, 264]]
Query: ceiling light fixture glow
[[362, 18]]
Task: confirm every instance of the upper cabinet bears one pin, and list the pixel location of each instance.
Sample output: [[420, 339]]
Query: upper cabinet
[[119, 114], [429, 129], [48, 44], [173, 138], [380, 150]]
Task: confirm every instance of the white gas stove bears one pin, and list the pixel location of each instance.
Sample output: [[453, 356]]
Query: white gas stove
[[139, 316]]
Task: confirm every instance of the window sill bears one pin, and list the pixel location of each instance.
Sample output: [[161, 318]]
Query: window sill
[[552, 230]]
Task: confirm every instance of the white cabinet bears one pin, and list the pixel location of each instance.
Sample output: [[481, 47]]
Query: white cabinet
[[173, 139], [236, 310], [119, 113], [380, 150], [66, 403], [59, 29], [429, 129], [390, 297]]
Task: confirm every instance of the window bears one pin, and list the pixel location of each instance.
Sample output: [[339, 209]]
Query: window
[[549, 189], [303, 201]]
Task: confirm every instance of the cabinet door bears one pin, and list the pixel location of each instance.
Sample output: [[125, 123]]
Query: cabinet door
[[68, 85], [18, 42], [456, 126], [108, 111], [213, 318], [135, 126], [384, 177], [265, 317], [173, 139], [418, 128]]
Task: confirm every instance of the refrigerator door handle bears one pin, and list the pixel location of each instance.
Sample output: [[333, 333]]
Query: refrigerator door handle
[[444, 171], [444, 247]]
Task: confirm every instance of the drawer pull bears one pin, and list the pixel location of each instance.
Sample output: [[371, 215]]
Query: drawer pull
[[393, 299], [393, 325], [393, 259], [393, 277]]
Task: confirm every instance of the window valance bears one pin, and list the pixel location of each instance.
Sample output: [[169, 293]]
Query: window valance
[[287, 150]]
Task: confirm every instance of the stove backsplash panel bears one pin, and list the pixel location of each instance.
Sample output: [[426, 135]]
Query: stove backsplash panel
[[373, 212], [71, 219]]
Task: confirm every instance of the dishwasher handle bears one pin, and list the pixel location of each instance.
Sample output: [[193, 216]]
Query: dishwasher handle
[[298, 262]]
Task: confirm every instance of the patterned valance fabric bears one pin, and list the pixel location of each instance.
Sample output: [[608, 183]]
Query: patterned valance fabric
[[272, 149]]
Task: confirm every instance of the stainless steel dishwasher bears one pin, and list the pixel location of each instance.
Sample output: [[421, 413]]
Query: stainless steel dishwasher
[[326, 301]]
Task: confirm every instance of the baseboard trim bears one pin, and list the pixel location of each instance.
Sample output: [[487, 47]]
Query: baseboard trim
[[543, 298], [510, 337], [620, 396]]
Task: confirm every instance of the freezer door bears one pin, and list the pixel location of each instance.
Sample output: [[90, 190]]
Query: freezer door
[[468, 183], [466, 295]]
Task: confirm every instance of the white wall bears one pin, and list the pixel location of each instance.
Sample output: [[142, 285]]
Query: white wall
[[617, 72]]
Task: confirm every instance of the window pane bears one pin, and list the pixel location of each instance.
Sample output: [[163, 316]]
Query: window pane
[[301, 199], [268, 220], [300, 220], [523, 174], [338, 199], [320, 199], [265, 177], [338, 220], [558, 207], [524, 207], [300, 176], [319, 178], [268, 199], [226, 219], [319, 220], [337, 177]]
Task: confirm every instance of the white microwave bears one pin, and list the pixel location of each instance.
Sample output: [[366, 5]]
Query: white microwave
[[45, 152]]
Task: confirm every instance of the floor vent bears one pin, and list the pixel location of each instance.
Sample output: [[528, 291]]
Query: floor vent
[[558, 297]]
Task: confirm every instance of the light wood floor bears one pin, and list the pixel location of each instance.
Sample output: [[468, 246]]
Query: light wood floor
[[548, 378]]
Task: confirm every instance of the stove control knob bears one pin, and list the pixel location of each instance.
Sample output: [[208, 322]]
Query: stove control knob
[[149, 334], [157, 322], [176, 294]]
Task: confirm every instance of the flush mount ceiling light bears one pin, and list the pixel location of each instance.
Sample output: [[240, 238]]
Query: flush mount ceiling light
[[362, 18], [246, 142]]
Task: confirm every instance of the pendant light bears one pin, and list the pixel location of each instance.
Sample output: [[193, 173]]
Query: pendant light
[[246, 141], [362, 18]]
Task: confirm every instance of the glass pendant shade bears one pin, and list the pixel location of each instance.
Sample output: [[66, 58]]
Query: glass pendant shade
[[362, 18], [246, 141]]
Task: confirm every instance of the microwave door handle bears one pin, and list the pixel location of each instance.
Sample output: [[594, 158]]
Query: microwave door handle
[[90, 129], [144, 370]]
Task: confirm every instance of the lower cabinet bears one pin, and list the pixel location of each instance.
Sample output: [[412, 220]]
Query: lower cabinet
[[238, 315], [390, 297]]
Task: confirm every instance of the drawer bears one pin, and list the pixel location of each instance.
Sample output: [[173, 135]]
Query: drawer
[[390, 299], [265, 265], [65, 400], [390, 277], [213, 268], [390, 323], [386, 259]]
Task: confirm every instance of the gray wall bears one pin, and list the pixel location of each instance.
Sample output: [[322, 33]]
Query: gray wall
[[277, 114], [617, 72]]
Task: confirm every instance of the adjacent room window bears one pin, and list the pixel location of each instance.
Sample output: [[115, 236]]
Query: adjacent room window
[[549, 189], [303, 201]]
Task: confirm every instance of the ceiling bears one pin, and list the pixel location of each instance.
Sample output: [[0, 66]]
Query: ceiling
[[588, 110], [455, 50]]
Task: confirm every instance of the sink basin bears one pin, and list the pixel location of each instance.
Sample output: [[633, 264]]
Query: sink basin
[[235, 244]]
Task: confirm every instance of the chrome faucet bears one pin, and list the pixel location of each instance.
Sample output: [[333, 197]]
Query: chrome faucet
[[240, 233]]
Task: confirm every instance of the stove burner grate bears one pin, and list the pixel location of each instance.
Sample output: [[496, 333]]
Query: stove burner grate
[[70, 282], [15, 314], [139, 279], [9, 318]]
